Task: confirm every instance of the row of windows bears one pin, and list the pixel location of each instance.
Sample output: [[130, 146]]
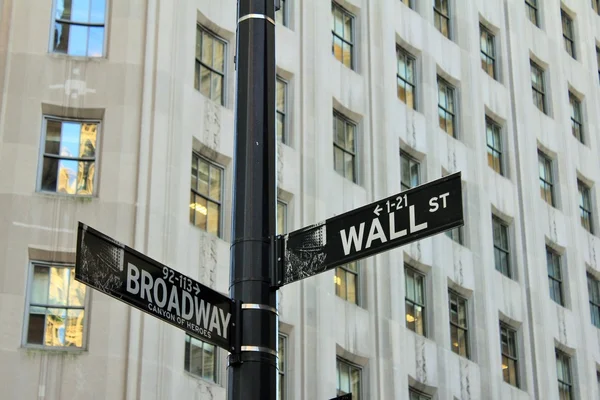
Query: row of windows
[[57, 310]]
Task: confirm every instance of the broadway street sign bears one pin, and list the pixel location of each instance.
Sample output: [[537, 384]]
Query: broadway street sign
[[130, 276], [397, 220]]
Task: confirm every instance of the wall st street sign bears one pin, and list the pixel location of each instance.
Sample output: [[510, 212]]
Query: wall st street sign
[[135, 279], [391, 222]]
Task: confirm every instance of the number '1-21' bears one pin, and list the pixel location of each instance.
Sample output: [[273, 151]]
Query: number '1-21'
[[401, 201]]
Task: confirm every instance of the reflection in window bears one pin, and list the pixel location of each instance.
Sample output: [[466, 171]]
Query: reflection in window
[[501, 246], [205, 196], [79, 27], [546, 178], [459, 334], [508, 346], [494, 145], [210, 65], [441, 16], [343, 35], [69, 160], [281, 217], [344, 146], [488, 51], [281, 15], [56, 308], [405, 77], [282, 366], [576, 119], [594, 295], [414, 287], [555, 282], [538, 87], [568, 36], [414, 394], [281, 110], [348, 379], [564, 375], [531, 9], [346, 282], [409, 171], [585, 206], [446, 107], [200, 359]]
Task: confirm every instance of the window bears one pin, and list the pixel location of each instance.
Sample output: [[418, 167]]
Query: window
[[441, 16], [508, 346], [79, 27], [281, 110], [501, 247], [344, 146], [455, 234], [348, 379], [568, 36], [494, 145], [281, 15], [210, 65], [596, 6], [405, 77], [56, 307], [446, 106], [346, 282], [409, 171], [598, 60], [594, 293], [538, 87], [69, 156], [205, 197], [576, 120], [585, 206], [414, 394], [554, 276], [408, 3], [563, 374], [531, 7], [281, 217], [282, 366], [414, 286], [459, 334], [200, 359], [546, 178], [487, 45], [343, 35]]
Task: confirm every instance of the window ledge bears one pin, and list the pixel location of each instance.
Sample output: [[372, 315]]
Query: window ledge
[[52, 54], [47, 194], [38, 349], [201, 379]]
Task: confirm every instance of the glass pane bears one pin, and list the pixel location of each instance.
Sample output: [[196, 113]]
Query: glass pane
[[462, 313], [213, 218], [55, 327], [192, 206], [462, 341], [209, 362], [340, 137], [194, 177], [351, 287], [419, 289], [281, 353], [350, 131], [338, 21], [337, 48], [348, 28], [355, 389], [410, 316], [215, 183], [85, 177], [280, 127], [338, 160], [63, 9], [347, 55], [96, 41], [53, 129], [216, 88], [207, 49], [61, 37], [201, 212], [69, 141], [410, 97], [337, 279], [454, 339], [203, 171], [80, 10], [76, 292], [67, 176], [196, 357], [78, 37], [344, 378], [450, 124], [35, 328], [40, 285], [219, 55], [49, 174], [341, 274], [349, 168], [414, 174], [281, 217], [280, 99], [59, 286], [419, 320], [87, 142], [198, 43], [74, 328], [97, 11], [205, 81]]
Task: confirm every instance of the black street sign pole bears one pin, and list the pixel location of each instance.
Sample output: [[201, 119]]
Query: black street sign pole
[[252, 367]]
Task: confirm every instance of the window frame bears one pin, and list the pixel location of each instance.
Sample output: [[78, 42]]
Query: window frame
[[539, 92], [414, 303], [103, 25], [576, 117], [555, 277], [347, 121], [412, 392], [490, 40], [345, 12], [282, 372], [284, 113], [284, 12], [284, 207], [438, 15], [585, 193], [351, 366], [499, 249], [565, 360], [510, 333], [548, 167], [494, 149], [450, 92], [188, 368], [531, 9], [86, 309], [195, 191], [407, 56], [568, 36], [454, 294], [412, 161], [42, 154], [346, 271], [593, 285], [211, 69]]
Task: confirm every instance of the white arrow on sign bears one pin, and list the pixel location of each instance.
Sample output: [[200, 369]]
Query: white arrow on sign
[[377, 210], [197, 289]]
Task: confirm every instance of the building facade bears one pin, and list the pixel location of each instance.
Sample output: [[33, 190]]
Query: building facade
[[105, 105]]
